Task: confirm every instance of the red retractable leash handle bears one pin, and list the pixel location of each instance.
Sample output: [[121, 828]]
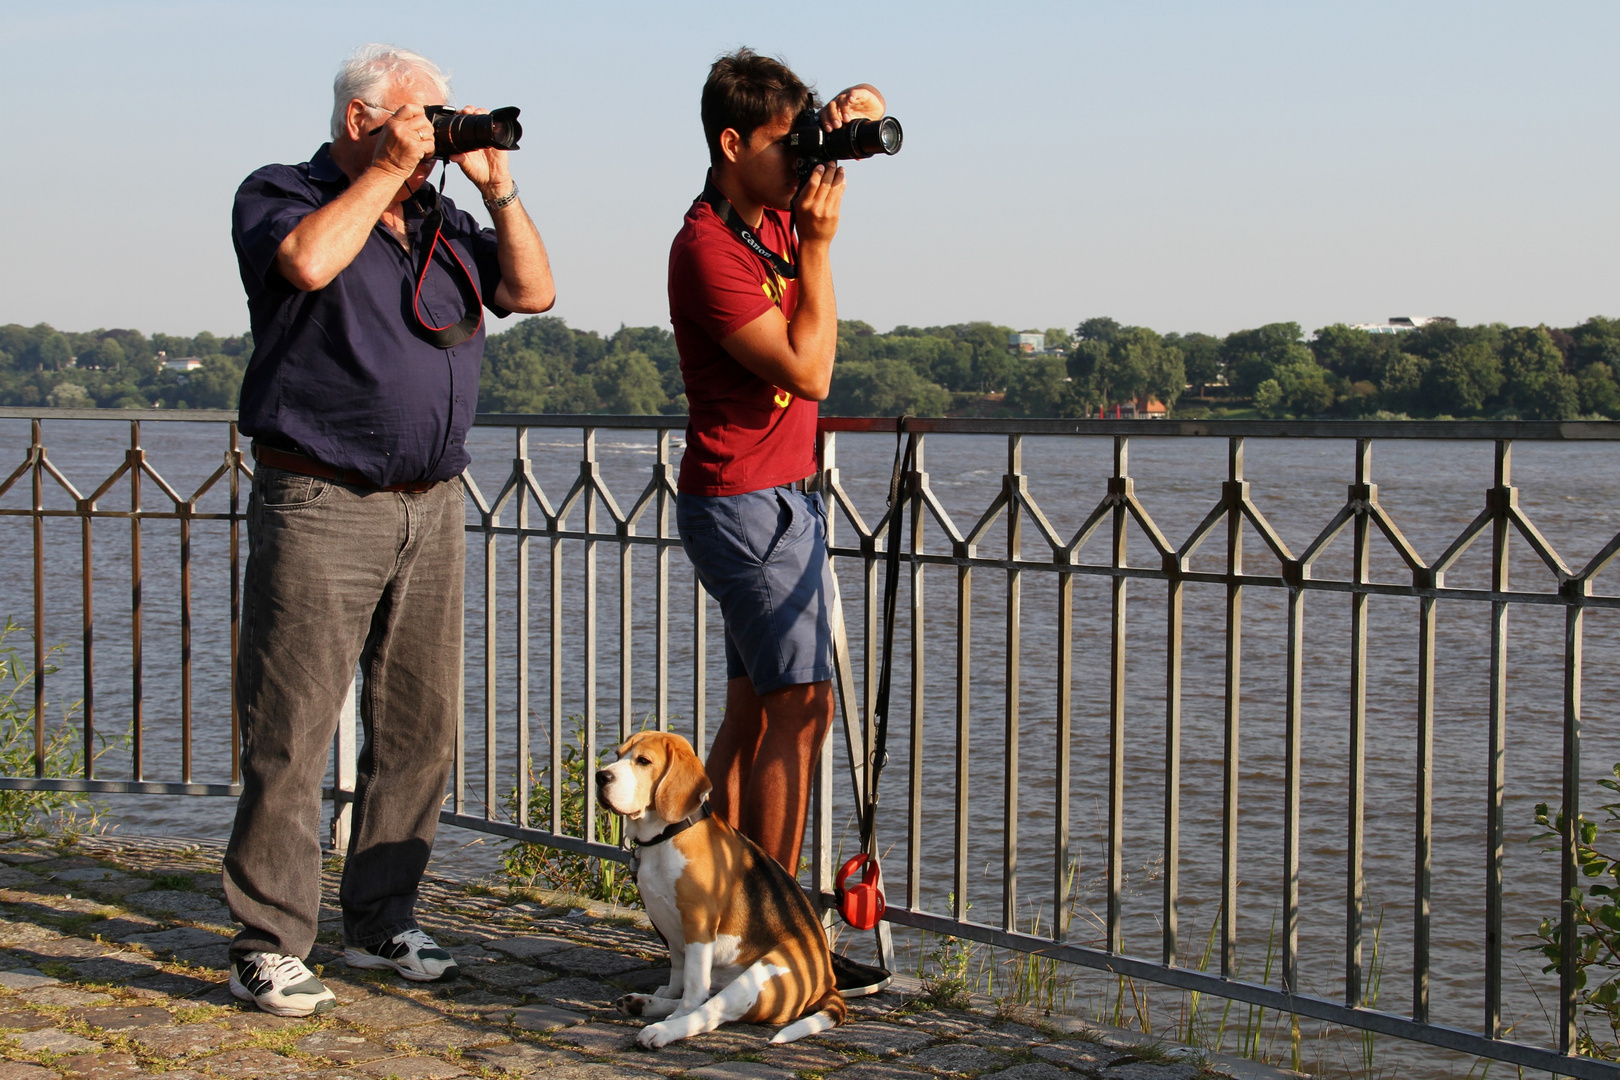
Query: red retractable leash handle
[[861, 904]]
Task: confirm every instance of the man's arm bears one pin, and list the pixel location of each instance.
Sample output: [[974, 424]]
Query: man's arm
[[526, 286], [797, 354], [322, 245]]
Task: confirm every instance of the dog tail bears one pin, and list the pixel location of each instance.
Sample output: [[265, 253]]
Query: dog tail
[[824, 1015]]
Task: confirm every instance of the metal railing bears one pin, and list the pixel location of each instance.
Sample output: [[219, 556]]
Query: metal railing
[[588, 516]]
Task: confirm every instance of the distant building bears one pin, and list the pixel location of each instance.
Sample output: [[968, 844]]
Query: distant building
[[1027, 343], [1401, 324], [183, 363]]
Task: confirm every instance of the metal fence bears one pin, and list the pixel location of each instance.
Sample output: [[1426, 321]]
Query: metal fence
[[589, 521]]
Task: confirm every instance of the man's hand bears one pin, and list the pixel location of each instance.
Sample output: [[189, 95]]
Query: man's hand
[[486, 168], [405, 139], [858, 102], [815, 207]]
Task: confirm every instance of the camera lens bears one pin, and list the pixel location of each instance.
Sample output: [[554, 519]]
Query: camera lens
[[457, 133]]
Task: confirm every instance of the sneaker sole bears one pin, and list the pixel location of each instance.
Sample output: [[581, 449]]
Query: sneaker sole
[[373, 962], [244, 994]]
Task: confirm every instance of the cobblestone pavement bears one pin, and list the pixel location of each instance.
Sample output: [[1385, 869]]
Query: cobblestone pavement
[[112, 965]]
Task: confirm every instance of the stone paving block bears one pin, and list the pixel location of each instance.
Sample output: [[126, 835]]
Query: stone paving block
[[411, 1068], [587, 995], [24, 933], [247, 1019], [181, 937], [957, 1059], [877, 1039], [173, 985], [17, 1070], [1152, 1070], [531, 946], [121, 928], [446, 1035], [1076, 1054], [55, 1040], [872, 1070], [599, 1038], [11, 878], [119, 967], [342, 1047], [386, 1013], [68, 862], [589, 960], [100, 1066], [507, 975], [196, 906], [23, 857], [123, 1018], [24, 1021], [181, 1040], [64, 996], [614, 1071], [804, 1057], [541, 1018], [731, 1040], [87, 874], [1003, 1040], [1035, 1070], [25, 979], [740, 1070], [71, 948], [518, 1057], [944, 1022], [248, 1064]]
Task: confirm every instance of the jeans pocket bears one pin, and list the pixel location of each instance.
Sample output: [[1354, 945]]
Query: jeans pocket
[[279, 489], [793, 518]]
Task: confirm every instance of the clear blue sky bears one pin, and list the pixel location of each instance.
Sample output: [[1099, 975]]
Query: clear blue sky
[[1185, 166]]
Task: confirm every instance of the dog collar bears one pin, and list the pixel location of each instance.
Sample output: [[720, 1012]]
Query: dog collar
[[676, 829]]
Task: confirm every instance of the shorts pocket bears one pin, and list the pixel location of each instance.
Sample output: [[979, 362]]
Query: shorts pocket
[[793, 517], [279, 489]]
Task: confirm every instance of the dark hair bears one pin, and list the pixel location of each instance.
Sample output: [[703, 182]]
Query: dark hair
[[746, 91]]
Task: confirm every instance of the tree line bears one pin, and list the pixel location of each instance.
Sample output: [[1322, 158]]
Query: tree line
[[542, 365]]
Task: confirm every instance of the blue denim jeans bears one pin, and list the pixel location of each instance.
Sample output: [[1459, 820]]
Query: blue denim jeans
[[336, 576]]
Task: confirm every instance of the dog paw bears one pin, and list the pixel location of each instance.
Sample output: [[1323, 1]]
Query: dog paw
[[632, 1004], [654, 1036]]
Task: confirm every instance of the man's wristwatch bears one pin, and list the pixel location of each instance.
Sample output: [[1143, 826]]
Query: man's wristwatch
[[509, 197]]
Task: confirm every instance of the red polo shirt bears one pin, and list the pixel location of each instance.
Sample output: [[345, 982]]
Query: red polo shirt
[[743, 434]]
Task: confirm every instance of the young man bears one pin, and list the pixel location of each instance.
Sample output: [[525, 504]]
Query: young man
[[756, 326]]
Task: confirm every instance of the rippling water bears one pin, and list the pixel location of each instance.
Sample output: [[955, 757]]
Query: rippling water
[[1571, 491]]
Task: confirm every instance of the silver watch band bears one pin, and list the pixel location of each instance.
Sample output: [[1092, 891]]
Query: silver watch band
[[509, 197]]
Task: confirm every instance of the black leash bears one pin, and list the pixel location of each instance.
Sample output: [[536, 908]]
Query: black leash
[[905, 463], [743, 231]]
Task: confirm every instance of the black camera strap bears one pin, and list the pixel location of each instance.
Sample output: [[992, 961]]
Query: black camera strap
[[743, 231], [429, 237]]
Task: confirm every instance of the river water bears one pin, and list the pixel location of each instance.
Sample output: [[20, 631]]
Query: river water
[[1433, 489]]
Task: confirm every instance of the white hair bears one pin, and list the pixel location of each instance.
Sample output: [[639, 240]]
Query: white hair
[[371, 70]]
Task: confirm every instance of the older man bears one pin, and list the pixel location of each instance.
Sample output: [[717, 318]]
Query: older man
[[364, 293]]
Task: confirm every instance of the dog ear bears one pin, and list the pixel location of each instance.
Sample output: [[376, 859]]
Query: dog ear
[[684, 783]]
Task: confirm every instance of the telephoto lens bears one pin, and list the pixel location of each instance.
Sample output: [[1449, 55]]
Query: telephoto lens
[[860, 138], [457, 132]]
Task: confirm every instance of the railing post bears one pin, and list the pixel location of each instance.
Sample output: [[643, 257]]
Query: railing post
[[1118, 489], [1355, 881], [1570, 878], [1496, 761], [521, 469], [1010, 785], [1236, 491]]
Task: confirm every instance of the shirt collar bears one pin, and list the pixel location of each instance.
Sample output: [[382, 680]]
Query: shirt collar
[[323, 169]]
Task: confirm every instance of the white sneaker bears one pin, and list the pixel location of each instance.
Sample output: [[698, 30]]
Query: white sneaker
[[280, 985], [413, 954]]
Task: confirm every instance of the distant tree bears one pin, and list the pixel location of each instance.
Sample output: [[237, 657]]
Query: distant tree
[[69, 395], [1463, 379], [53, 352], [627, 382], [1599, 391], [1200, 358], [1535, 382], [1134, 363], [1058, 339], [1351, 354], [1253, 356], [1041, 386], [105, 354], [1100, 328], [1596, 341], [884, 386]]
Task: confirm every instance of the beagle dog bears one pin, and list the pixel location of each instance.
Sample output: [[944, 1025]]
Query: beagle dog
[[737, 925]]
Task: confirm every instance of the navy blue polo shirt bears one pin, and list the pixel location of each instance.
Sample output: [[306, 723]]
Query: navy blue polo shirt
[[339, 374]]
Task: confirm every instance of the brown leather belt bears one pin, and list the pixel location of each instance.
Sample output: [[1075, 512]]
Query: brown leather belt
[[287, 461]]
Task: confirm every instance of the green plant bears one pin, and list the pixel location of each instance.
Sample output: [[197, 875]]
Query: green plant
[[570, 872], [1596, 907], [66, 814], [179, 882]]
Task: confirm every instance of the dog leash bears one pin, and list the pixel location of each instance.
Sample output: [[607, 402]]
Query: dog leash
[[669, 831], [862, 904]]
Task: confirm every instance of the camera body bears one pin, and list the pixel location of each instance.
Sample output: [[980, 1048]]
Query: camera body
[[457, 133], [859, 138]]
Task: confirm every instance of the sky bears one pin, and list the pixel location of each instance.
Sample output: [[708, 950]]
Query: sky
[[1185, 166]]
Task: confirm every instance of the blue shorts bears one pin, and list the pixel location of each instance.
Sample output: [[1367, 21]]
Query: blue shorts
[[763, 556]]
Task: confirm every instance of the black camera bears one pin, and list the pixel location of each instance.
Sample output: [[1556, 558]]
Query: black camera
[[860, 138], [457, 132]]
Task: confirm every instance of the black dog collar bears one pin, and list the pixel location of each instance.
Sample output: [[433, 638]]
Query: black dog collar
[[676, 829]]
